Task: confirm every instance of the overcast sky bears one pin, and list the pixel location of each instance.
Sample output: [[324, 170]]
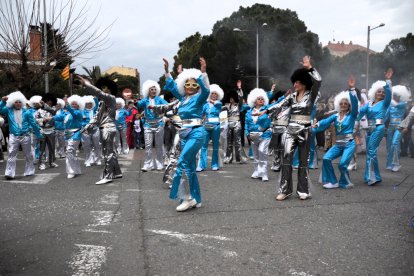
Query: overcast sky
[[146, 31]]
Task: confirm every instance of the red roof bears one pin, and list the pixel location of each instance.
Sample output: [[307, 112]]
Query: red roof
[[341, 49]]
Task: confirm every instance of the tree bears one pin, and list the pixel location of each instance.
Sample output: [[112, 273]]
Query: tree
[[399, 53], [232, 55], [71, 34]]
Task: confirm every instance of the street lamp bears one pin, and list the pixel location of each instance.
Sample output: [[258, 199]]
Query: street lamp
[[368, 40], [257, 49]]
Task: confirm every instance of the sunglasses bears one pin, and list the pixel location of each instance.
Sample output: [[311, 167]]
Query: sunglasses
[[260, 99], [191, 85]]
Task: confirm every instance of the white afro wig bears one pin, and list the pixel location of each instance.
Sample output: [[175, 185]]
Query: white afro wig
[[147, 85], [120, 101], [403, 92], [60, 102], [343, 95], [215, 88], [77, 99], [256, 93], [374, 88], [187, 74], [14, 97], [34, 100], [89, 99]]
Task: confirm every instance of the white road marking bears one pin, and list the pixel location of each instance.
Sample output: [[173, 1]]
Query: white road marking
[[229, 176], [125, 162], [223, 172], [38, 179], [110, 199], [191, 238], [301, 273], [101, 220], [96, 231], [88, 259], [132, 190]]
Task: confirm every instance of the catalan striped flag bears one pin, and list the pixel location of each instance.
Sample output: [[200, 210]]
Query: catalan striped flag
[[66, 72]]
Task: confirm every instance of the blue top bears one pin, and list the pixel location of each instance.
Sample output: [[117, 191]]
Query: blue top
[[122, 114], [191, 107], [212, 111], [59, 125], [262, 124], [346, 125], [87, 115], [72, 120], [149, 114], [396, 112], [28, 121], [378, 110]]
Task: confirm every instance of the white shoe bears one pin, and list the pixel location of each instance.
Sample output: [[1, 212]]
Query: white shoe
[[118, 176], [303, 196], [349, 186], [396, 168], [214, 169], [186, 204], [54, 165], [87, 165], [71, 176], [42, 167], [331, 186], [199, 169], [144, 169], [265, 178], [98, 163], [255, 175], [352, 167], [103, 181]]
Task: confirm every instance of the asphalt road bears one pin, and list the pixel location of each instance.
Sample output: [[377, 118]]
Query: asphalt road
[[50, 225]]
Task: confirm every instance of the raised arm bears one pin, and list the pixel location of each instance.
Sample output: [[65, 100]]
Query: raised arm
[[75, 113], [354, 103], [94, 91], [170, 84], [204, 82], [388, 87]]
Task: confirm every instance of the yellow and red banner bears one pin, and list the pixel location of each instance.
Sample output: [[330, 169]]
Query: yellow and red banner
[[66, 72]]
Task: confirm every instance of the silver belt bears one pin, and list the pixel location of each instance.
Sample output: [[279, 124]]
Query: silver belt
[[300, 119], [153, 121], [213, 120], [343, 137], [280, 122], [395, 120], [72, 130], [234, 119], [192, 122], [375, 122]]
